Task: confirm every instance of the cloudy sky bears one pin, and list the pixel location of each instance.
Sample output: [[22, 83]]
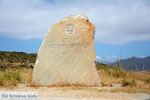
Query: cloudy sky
[[122, 26]]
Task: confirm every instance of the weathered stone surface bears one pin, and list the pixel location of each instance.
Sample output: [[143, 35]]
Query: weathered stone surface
[[67, 55]]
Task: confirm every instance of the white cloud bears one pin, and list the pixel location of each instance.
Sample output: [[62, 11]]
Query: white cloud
[[117, 22], [108, 59]]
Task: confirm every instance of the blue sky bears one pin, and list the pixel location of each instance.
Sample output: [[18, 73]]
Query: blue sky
[[122, 26]]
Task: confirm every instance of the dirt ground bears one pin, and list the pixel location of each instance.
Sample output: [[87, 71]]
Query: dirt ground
[[76, 93]]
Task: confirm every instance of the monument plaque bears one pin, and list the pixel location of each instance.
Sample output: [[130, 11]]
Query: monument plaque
[[67, 55]]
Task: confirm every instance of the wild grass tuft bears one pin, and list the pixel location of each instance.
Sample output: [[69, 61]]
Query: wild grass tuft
[[10, 77]]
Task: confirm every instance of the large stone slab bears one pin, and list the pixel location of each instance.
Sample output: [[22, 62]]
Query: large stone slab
[[67, 55]]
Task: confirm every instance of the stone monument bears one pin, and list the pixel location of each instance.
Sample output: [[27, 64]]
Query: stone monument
[[67, 55]]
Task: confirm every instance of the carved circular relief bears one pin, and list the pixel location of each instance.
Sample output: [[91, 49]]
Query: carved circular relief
[[69, 29]]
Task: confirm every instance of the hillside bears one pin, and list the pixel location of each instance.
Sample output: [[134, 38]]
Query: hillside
[[134, 63], [16, 59]]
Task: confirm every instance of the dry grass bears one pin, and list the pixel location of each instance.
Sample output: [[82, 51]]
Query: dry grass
[[11, 76], [130, 81], [26, 75], [107, 79]]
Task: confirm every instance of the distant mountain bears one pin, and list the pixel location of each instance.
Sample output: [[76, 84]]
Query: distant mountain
[[134, 63]]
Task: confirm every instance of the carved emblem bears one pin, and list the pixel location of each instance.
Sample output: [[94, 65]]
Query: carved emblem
[[69, 29]]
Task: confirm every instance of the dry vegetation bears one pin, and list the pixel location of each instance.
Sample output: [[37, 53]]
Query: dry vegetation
[[130, 81], [16, 67], [110, 77], [127, 81], [11, 77]]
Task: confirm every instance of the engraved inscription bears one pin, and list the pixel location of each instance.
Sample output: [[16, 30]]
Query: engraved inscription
[[68, 45]]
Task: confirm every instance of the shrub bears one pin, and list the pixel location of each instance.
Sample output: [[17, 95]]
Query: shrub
[[147, 80], [105, 68], [1, 80], [129, 82], [119, 72]]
